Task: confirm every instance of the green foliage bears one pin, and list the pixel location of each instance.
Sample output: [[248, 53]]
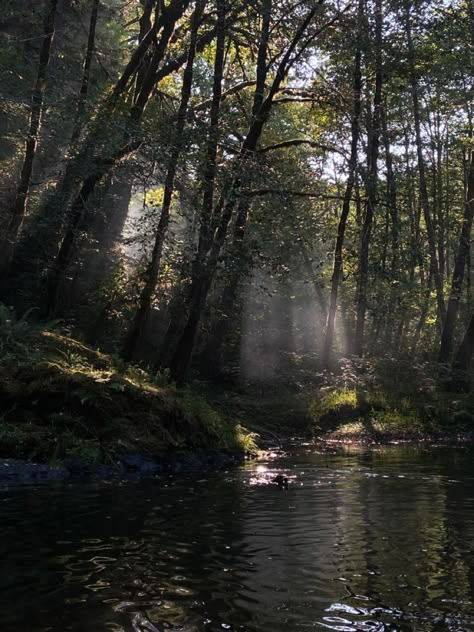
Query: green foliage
[[276, 264], [15, 335], [334, 400], [70, 401], [219, 430]]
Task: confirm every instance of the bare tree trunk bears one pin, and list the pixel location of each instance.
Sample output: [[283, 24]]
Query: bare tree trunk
[[145, 27], [229, 295], [103, 166], [18, 211], [206, 219], [372, 176], [81, 103], [439, 200], [424, 200], [459, 269], [139, 321], [395, 225], [202, 283], [413, 216], [352, 175]]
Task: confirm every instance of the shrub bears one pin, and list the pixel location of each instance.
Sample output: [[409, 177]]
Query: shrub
[[15, 336]]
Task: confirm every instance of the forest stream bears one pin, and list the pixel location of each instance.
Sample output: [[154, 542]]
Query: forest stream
[[377, 538]]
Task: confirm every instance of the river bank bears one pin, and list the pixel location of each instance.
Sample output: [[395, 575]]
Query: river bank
[[126, 467], [71, 412], [62, 401]]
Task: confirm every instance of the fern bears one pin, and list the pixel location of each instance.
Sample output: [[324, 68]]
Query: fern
[[15, 335]]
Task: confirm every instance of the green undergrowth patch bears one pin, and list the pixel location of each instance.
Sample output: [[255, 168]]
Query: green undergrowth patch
[[274, 414], [375, 414], [61, 399]]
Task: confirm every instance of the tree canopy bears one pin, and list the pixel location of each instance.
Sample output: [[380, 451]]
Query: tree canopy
[[241, 187]]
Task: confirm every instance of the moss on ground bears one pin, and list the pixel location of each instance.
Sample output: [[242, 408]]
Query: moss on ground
[[348, 413], [356, 414], [60, 399], [274, 414]]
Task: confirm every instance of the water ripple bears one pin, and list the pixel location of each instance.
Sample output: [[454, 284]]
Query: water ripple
[[367, 540]]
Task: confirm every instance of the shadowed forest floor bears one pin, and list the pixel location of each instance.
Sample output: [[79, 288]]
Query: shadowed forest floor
[[61, 399]]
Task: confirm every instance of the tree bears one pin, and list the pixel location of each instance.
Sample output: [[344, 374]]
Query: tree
[[202, 279], [351, 178], [18, 211], [459, 269], [373, 143], [151, 278], [424, 199]]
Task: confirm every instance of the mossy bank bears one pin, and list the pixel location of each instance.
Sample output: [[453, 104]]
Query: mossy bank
[[381, 416], [62, 400]]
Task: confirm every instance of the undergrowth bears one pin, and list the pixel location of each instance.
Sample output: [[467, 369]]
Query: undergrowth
[[389, 398], [60, 399]]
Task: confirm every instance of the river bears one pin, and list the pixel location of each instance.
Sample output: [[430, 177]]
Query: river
[[372, 539]]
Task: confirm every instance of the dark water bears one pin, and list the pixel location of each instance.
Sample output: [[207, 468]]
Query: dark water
[[378, 539]]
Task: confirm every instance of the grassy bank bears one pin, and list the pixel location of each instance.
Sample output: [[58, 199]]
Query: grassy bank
[[61, 399], [361, 400], [353, 414]]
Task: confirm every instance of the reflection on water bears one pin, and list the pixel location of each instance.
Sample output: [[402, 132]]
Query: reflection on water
[[372, 539]]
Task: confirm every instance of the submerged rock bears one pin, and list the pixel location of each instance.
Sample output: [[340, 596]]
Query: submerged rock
[[16, 472]]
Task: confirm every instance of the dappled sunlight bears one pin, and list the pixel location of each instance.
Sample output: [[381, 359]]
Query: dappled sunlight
[[236, 315]]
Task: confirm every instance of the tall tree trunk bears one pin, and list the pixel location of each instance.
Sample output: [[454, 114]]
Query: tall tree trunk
[[395, 227], [86, 71], [202, 283], [18, 211], [145, 26], [229, 295], [199, 286], [352, 175], [413, 215], [439, 198], [104, 166], [210, 165], [391, 199], [372, 177], [463, 356], [424, 200], [423, 314], [459, 269], [151, 278]]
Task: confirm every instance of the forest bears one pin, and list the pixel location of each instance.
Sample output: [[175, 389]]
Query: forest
[[236, 315], [256, 212]]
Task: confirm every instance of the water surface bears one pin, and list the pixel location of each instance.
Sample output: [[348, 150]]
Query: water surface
[[369, 539]]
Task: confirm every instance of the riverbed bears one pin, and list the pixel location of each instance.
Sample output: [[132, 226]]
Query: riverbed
[[365, 538]]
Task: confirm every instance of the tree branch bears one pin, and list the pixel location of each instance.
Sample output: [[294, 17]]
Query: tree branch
[[286, 193], [299, 141], [232, 90]]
